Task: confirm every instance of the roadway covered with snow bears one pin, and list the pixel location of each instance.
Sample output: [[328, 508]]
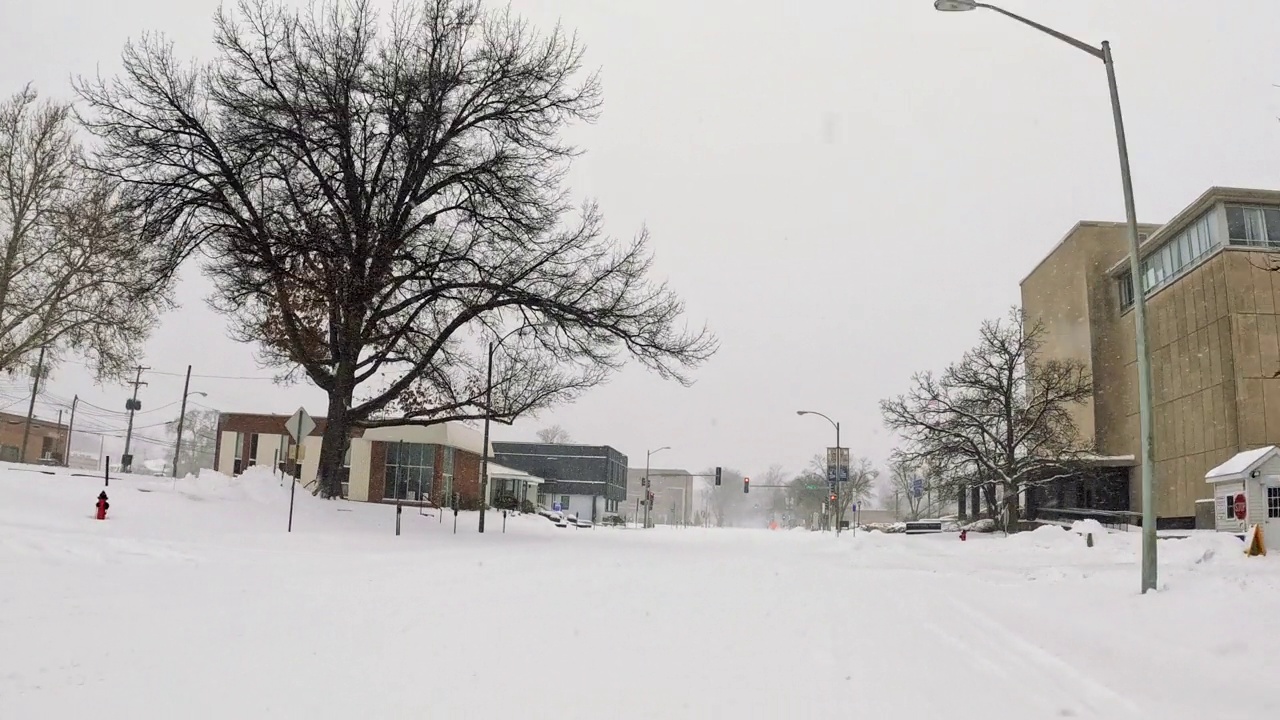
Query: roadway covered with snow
[[192, 601]]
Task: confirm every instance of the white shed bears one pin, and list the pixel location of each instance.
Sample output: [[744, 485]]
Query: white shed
[[1252, 478]]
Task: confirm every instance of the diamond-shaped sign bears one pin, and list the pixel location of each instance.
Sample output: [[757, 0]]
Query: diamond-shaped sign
[[299, 425]]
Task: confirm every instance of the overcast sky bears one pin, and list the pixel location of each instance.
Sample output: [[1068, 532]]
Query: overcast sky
[[842, 189]]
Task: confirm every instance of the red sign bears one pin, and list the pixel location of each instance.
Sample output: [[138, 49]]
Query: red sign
[[1240, 507]]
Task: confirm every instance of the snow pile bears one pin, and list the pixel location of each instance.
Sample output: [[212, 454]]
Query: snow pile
[[1202, 548], [1088, 526], [1049, 537]]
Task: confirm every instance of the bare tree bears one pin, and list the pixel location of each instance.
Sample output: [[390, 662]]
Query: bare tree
[[199, 440], [998, 419], [727, 503], [554, 435], [381, 198], [76, 273], [902, 488], [862, 476]]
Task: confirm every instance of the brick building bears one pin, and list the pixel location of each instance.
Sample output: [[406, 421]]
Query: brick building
[[47, 440], [409, 463]]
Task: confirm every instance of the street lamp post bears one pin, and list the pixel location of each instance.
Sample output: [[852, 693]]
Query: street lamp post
[[648, 505], [1103, 53], [835, 425], [182, 416], [488, 413]]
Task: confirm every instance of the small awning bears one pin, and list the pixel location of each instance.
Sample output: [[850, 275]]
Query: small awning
[[500, 472]]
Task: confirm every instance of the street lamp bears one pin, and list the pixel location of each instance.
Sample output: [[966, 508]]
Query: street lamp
[[1103, 53], [488, 413], [648, 505], [839, 459], [182, 415]]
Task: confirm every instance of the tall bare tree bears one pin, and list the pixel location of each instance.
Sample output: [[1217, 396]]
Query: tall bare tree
[[380, 198], [999, 419], [901, 488], [857, 489], [77, 274], [199, 440], [554, 435]]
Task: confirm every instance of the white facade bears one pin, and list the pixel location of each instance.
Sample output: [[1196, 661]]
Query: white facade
[[1255, 475], [586, 507]]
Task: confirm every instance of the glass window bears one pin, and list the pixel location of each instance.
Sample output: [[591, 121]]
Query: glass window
[[1273, 502], [408, 471], [1249, 225], [1272, 218], [1167, 262], [1125, 284], [1236, 228]]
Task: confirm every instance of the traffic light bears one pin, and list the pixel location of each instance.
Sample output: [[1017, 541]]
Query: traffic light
[[746, 485], [833, 497], [717, 476]]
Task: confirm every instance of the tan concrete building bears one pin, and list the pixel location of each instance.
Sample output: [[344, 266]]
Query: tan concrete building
[[46, 441], [1212, 281]]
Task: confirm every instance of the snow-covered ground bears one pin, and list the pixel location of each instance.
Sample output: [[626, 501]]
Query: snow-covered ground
[[191, 601]]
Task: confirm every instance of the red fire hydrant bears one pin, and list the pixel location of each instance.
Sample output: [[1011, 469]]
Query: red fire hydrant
[[964, 534], [103, 505]]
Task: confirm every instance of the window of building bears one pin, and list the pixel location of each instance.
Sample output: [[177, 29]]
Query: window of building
[[564, 502], [1273, 503], [1228, 508], [1255, 226], [409, 471], [1172, 258], [1125, 284], [253, 449]]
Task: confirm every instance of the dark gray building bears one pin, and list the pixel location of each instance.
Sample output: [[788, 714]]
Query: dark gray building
[[590, 480]]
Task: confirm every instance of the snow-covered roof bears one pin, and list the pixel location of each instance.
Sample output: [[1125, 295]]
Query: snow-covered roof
[[1240, 465], [505, 473]]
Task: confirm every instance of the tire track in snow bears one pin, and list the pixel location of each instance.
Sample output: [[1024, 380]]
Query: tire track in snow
[[1059, 686]]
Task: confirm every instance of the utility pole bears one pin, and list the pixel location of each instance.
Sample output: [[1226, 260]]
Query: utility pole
[[71, 427], [182, 415], [488, 412], [31, 408], [126, 460]]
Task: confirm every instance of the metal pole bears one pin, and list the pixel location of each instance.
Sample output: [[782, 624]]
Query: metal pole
[[484, 458], [1140, 330], [838, 511], [182, 415], [31, 408], [1146, 440], [647, 488], [71, 427], [128, 436], [400, 482], [293, 486]]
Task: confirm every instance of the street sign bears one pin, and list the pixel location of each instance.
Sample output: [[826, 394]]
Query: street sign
[[299, 425], [1240, 507], [917, 487]]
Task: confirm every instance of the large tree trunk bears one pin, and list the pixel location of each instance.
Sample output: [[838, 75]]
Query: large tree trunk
[[333, 447]]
